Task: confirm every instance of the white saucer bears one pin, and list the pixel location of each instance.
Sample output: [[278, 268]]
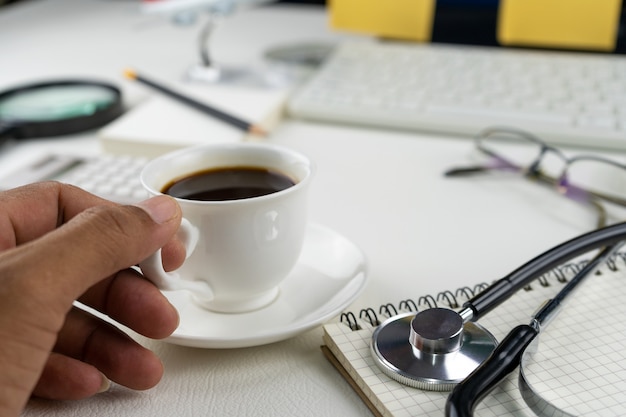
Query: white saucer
[[330, 274]]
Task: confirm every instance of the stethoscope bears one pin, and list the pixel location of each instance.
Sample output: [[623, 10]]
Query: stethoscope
[[441, 349]]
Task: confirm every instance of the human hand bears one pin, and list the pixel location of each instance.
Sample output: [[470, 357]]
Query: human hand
[[59, 244]]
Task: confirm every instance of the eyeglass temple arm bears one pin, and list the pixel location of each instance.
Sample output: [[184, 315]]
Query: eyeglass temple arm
[[470, 170], [533, 174], [591, 197]]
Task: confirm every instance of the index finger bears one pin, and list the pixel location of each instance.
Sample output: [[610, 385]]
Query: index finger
[[33, 210]]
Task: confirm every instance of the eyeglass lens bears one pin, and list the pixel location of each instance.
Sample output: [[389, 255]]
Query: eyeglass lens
[[597, 175], [521, 150]]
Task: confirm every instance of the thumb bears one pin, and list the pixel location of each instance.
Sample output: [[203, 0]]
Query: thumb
[[95, 244]]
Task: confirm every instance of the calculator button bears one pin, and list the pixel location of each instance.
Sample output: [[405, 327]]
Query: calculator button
[[112, 177]]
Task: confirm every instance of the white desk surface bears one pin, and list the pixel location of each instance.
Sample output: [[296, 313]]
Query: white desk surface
[[422, 233]]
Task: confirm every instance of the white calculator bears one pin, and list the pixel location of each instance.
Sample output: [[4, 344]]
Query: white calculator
[[113, 177]]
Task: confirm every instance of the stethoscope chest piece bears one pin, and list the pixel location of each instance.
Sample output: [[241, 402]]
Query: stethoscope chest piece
[[432, 350]]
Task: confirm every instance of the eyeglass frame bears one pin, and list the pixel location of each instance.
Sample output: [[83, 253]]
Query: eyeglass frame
[[533, 171]]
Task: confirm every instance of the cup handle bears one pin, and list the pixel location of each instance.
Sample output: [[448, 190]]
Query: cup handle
[[152, 267]]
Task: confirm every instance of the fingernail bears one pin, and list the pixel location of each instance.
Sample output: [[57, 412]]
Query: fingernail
[[105, 385], [160, 208]]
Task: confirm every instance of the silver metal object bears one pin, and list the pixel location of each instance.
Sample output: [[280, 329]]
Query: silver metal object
[[532, 397], [432, 350], [439, 349]]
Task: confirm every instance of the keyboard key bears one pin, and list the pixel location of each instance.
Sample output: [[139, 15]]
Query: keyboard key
[[500, 116]]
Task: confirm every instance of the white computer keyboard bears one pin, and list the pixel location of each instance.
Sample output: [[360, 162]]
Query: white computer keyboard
[[113, 177], [566, 98]]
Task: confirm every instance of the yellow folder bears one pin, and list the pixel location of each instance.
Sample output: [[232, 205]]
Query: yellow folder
[[569, 24], [396, 19]]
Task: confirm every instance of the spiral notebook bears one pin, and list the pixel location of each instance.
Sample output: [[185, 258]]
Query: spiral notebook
[[580, 365]]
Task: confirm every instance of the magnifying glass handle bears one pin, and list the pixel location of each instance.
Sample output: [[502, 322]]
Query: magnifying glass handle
[[504, 359]]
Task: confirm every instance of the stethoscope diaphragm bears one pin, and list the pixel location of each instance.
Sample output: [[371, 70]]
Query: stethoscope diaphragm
[[431, 350]]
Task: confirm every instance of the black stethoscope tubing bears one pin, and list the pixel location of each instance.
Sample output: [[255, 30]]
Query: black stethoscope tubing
[[507, 356], [505, 287], [29, 128]]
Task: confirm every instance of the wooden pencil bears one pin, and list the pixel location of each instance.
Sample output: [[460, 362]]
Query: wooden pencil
[[218, 114]]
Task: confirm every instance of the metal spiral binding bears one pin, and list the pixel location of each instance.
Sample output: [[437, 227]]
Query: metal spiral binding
[[389, 309], [451, 300], [350, 320], [370, 315], [427, 299], [408, 305]]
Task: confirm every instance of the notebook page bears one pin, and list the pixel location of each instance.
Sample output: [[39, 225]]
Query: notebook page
[[579, 365], [352, 349], [161, 124]]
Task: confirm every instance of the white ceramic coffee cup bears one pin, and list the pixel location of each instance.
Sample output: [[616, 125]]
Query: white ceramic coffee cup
[[239, 251]]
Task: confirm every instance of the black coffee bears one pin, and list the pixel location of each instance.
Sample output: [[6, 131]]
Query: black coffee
[[232, 183]]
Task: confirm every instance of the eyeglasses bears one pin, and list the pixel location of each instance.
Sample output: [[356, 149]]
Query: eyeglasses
[[586, 179]]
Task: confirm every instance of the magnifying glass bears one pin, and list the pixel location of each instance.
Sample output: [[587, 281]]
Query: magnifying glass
[[55, 108]]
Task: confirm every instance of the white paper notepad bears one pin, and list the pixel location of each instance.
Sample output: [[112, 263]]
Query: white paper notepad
[[161, 124], [580, 365]]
